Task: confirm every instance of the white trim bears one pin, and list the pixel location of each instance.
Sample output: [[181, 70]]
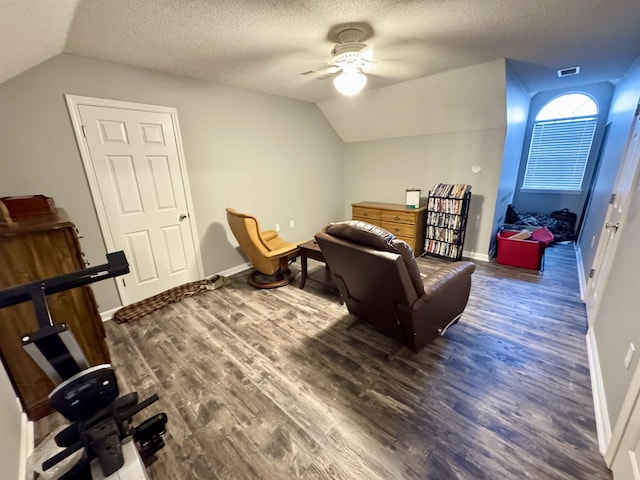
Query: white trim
[[233, 270], [73, 103], [483, 257], [603, 425], [581, 277], [108, 315], [624, 417], [26, 446]]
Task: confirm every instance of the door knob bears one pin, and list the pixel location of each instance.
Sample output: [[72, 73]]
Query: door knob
[[612, 225], [182, 216]]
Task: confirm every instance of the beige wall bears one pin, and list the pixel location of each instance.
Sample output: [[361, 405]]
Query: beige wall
[[274, 157], [430, 130]]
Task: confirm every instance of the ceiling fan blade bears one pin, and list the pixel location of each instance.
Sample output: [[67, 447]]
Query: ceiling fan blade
[[322, 73]]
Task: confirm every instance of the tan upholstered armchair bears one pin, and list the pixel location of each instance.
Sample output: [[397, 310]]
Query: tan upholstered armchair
[[268, 253], [380, 282]]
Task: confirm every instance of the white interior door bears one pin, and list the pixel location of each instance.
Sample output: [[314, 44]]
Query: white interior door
[[139, 184], [614, 219]]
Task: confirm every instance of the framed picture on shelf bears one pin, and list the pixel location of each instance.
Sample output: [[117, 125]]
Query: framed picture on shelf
[[412, 198]]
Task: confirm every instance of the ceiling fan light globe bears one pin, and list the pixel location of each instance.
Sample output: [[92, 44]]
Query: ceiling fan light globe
[[350, 83]]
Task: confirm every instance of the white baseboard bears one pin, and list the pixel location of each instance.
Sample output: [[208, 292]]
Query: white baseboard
[[108, 314], [603, 425], [26, 445], [483, 257], [233, 270]]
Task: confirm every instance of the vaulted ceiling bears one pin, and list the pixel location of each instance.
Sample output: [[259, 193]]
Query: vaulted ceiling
[[268, 45]]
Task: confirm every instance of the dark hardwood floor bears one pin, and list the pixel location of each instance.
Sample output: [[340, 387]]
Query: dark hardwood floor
[[270, 384]]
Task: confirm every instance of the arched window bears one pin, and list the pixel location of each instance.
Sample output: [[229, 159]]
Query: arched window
[[560, 144]]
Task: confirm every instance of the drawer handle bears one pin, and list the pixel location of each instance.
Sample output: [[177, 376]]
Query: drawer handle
[[365, 214], [396, 229], [396, 217]]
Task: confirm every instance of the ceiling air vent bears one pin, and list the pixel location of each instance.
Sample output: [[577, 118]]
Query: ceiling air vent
[[565, 72]]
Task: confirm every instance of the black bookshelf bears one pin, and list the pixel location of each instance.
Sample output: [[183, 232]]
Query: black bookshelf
[[447, 212]]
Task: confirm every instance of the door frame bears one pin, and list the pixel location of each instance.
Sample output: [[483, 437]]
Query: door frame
[[73, 103], [592, 310]]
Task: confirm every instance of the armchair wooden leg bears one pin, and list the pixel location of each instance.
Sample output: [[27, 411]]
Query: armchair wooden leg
[[283, 267], [282, 277], [259, 280]]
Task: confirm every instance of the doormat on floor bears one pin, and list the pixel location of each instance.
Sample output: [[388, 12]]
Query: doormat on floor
[[137, 310]]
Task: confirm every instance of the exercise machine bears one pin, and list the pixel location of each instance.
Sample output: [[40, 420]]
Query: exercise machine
[[101, 424]]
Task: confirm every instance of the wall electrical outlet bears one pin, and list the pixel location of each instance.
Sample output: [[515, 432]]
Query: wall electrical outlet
[[627, 359], [277, 227], [292, 224]]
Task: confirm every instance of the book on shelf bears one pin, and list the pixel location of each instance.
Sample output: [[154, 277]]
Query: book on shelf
[[438, 219], [457, 190], [445, 205], [443, 249]]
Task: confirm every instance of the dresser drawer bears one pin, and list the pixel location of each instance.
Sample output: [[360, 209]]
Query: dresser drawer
[[370, 215], [405, 224], [400, 229], [399, 217]]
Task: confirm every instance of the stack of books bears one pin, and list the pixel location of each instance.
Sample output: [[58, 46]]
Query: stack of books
[[447, 190]]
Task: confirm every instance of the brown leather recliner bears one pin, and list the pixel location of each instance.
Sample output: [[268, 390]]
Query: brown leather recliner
[[380, 282]]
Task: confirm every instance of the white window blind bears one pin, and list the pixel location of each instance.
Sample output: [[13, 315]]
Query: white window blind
[[558, 154]]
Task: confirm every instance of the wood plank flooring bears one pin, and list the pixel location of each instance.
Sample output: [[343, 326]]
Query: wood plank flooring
[[269, 384]]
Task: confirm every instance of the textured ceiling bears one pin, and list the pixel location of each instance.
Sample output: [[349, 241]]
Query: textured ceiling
[[267, 45]]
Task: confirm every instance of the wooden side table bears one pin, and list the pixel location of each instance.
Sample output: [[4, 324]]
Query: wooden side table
[[309, 249]]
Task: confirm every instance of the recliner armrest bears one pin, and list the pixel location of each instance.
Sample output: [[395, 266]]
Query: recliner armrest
[[282, 251], [268, 235], [450, 276]]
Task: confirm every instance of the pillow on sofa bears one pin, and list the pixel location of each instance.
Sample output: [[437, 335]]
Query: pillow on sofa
[[375, 237]]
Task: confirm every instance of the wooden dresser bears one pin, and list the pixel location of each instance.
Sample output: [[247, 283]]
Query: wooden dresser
[[405, 223], [39, 247]]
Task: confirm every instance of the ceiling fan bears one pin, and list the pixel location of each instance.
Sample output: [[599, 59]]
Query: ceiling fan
[[351, 58]]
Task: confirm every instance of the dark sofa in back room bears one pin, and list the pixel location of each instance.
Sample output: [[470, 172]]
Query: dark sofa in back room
[[561, 223]]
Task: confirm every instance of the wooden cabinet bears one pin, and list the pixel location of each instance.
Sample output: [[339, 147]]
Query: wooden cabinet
[[405, 223], [447, 211], [35, 248]]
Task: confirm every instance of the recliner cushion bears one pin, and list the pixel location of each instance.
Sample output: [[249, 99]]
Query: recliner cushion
[[375, 237]]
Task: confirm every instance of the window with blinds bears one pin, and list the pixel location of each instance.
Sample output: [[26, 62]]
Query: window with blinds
[[560, 144], [558, 154]]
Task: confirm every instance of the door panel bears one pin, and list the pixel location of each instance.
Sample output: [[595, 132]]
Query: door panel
[[614, 219], [135, 159]]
